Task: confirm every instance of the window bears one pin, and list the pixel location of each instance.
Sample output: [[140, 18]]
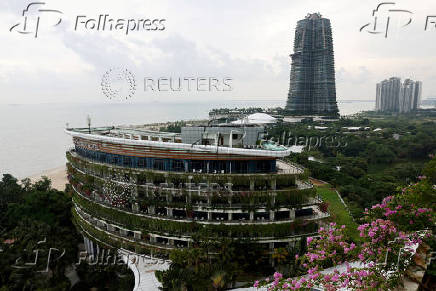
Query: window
[[241, 166], [158, 164], [217, 166], [141, 163], [127, 161], [303, 212], [198, 165], [263, 166], [102, 158], [178, 166]]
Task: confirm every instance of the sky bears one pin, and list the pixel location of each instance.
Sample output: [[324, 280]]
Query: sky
[[248, 41]]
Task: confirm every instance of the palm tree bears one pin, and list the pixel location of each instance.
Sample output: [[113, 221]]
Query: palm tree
[[219, 280]]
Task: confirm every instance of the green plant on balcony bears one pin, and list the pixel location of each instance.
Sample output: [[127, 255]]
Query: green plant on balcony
[[148, 224]]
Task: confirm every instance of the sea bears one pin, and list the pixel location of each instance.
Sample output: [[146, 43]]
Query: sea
[[33, 140]]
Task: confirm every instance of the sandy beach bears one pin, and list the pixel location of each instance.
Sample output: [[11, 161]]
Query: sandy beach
[[58, 177]]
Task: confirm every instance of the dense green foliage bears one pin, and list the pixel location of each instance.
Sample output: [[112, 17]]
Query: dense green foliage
[[216, 264], [36, 218], [371, 166], [389, 228], [108, 278], [372, 163], [175, 127]]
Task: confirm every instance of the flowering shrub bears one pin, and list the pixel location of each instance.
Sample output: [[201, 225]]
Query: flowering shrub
[[388, 235], [328, 251], [406, 209]]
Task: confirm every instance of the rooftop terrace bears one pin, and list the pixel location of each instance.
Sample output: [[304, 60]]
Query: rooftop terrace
[[225, 140]]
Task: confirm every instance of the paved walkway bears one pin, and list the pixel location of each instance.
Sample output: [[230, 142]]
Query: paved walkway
[[143, 268]]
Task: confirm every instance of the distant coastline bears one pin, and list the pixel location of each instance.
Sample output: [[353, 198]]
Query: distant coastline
[[57, 176], [39, 146]]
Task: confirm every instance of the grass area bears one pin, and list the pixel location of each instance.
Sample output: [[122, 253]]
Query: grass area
[[337, 210]]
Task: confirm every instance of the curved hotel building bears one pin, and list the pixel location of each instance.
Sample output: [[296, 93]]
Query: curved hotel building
[[151, 192]]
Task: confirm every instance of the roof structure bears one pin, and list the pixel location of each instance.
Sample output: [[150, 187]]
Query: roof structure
[[256, 118]]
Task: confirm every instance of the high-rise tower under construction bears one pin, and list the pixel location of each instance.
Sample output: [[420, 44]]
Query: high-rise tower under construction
[[312, 82]]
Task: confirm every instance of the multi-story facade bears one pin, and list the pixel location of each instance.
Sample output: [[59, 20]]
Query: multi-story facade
[[417, 95], [151, 192], [388, 92], [407, 95], [312, 81], [394, 96]]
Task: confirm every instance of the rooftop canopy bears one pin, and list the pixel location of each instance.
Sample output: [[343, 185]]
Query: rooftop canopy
[[256, 118]]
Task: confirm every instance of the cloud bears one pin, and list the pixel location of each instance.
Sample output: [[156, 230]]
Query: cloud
[[360, 75], [249, 41]]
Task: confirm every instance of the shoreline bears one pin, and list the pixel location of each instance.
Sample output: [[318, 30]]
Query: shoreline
[[57, 176]]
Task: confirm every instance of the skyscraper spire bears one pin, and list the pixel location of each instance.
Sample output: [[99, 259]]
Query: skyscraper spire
[[312, 82]]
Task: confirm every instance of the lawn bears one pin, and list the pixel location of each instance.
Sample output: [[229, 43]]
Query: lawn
[[337, 210]]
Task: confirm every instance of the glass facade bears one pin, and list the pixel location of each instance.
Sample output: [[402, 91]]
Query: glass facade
[[180, 165]]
